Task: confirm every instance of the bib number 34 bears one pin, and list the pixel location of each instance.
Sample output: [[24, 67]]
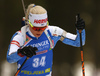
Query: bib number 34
[[39, 62]]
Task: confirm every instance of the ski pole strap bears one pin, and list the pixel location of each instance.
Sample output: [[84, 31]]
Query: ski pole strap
[[49, 38], [23, 31]]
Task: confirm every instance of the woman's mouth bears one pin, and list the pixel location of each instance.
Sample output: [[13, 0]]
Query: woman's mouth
[[38, 34]]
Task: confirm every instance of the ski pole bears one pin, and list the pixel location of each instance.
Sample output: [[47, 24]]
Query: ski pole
[[81, 47], [21, 66]]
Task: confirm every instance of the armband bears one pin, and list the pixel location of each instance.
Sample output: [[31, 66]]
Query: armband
[[63, 35]]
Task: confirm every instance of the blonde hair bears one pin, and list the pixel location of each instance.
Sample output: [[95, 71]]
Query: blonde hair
[[34, 9]]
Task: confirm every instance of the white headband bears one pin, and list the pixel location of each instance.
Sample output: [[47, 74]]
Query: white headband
[[38, 20]]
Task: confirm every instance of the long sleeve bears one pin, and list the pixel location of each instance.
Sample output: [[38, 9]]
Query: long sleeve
[[15, 44], [69, 38], [75, 42]]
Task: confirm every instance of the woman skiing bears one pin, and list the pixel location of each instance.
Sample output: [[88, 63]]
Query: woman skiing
[[36, 41]]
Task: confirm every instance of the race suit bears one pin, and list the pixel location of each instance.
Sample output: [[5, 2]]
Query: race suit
[[41, 63]]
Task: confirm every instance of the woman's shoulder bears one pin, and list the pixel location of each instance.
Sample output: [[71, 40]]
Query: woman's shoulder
[[17, 35], [55, 30]]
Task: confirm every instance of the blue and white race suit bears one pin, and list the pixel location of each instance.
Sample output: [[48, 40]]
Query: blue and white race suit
[[41, 63]]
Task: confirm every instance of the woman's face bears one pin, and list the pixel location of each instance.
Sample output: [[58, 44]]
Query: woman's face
[[36, 33]]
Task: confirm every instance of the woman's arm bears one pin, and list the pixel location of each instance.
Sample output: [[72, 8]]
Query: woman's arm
[[16, 42], [66, 37], [74, 40]]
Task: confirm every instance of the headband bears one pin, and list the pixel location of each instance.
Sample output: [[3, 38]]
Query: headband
[[38, 20]]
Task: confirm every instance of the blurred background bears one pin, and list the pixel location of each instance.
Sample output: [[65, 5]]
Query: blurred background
[[67, 59]]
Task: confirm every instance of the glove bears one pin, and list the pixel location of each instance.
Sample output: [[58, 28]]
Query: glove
[[28, 51], [80, 24]]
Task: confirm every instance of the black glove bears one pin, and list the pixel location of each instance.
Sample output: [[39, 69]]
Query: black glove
[[80, 24], [28, 51]]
